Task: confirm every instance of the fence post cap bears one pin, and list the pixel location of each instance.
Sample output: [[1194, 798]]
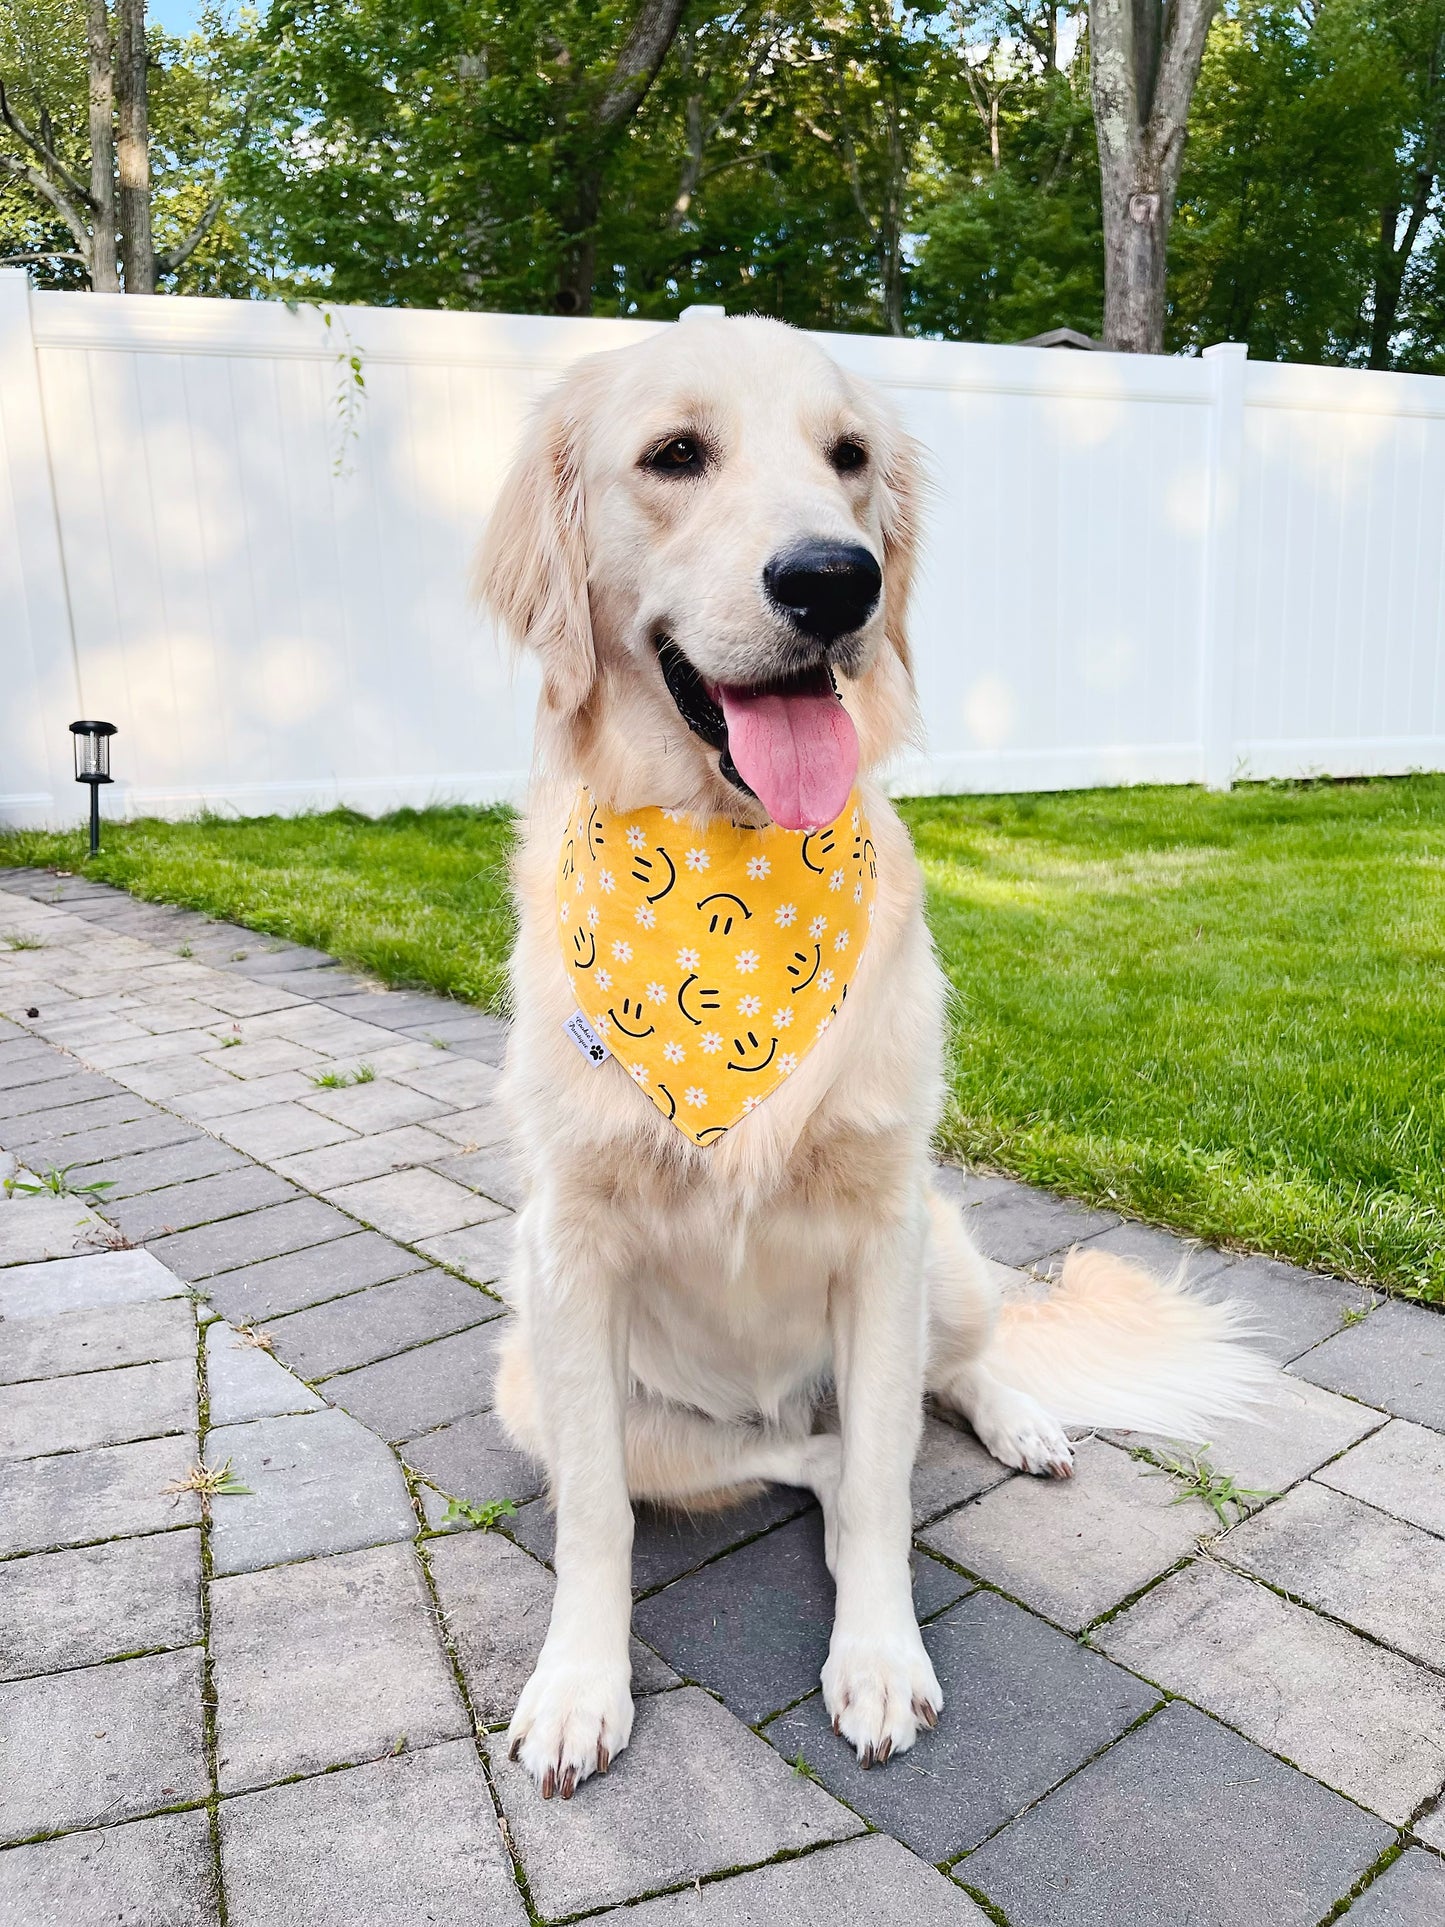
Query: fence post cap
[[701, 311], [1231, 350]]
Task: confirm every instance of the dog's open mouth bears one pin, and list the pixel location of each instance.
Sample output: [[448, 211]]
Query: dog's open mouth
[[789, 742]]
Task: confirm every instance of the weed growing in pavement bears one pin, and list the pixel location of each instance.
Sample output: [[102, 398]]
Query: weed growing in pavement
[[56, 1183], [208, 1482], [1198, 1479], [20, 942], [342, 1080]]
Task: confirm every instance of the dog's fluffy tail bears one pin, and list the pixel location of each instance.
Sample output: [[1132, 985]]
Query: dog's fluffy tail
[[1112, 1346]]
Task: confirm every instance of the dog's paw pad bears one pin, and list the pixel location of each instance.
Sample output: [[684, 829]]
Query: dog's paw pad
[[570, 1723], [879, 1692]]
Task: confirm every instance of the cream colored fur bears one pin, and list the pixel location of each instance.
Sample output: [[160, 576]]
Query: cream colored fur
[[682, 1312]]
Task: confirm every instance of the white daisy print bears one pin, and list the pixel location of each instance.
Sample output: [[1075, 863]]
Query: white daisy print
[[758, 866], [835, 881], [782, 1018], [785, 914], [594, 917], [645, 915], [622, 951], [607, 883], [856, 819], [602, 1023], [750, 1104], [604, 979], [825, 980], [823, 1023], [638, 1073], [564, 912], [695, 1095], [858, 891], [581, 883], [871, 908], [657, 993], [674, 1053], [711, 1041], [840, 942], [687, 960], [673, 816], [787, 1063], [698, 859], [749, 1006], [636, 840], [747, 961], [817, 927]]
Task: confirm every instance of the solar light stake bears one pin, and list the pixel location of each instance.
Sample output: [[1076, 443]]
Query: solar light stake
[[92, 765]]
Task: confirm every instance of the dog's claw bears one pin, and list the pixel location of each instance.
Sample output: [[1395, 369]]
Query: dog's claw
[[924, 1711], [883, 1752], [865, 1758], [515, 1748], [549, 1783], [569, 1783]]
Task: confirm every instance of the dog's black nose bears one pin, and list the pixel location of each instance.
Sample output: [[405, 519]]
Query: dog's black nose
[[828, 589]]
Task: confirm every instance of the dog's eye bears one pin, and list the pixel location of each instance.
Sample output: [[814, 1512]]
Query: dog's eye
[[848, 455], [683, 455]]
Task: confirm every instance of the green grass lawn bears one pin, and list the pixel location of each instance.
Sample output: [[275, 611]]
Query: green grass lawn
[[1222, 1013]]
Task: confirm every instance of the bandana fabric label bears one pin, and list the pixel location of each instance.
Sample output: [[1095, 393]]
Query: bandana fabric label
[[710, 959]]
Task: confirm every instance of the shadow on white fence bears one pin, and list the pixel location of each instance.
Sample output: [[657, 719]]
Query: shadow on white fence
[[1137, 570]]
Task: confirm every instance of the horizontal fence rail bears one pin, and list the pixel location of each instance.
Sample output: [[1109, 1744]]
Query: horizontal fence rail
[[1136, 569]]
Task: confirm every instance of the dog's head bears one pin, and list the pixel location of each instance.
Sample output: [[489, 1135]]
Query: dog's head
[[708, 540]]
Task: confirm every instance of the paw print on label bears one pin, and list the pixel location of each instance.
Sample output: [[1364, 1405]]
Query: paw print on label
[[674, 1053], [747, 961], [758, 867], [785, 915], [698, 859], [817, 927], [749, 1006]]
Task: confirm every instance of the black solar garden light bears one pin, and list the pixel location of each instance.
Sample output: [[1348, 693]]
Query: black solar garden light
[[92, 765]]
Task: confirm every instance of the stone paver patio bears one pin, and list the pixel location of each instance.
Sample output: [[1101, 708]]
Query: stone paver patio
[[292, 1710]]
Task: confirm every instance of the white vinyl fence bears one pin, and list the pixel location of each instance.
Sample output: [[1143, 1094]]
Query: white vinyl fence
[[1137, 570]]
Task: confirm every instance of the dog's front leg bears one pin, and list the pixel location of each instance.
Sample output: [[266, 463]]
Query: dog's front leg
[[878, 1682], [575, 1713]]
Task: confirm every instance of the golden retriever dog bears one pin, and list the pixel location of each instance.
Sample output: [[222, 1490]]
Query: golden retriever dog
[[707, 542]]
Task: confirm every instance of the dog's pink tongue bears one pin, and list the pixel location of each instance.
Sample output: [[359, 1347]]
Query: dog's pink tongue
[[797, 752]]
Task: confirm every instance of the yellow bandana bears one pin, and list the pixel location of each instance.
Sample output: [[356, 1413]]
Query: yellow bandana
[[709, 960]]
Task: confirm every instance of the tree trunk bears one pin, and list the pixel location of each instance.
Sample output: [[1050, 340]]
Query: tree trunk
[[605, 122], [104, 274], [1145, 57], [137, 247]]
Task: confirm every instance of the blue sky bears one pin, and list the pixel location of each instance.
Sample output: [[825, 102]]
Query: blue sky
[[176, 16]]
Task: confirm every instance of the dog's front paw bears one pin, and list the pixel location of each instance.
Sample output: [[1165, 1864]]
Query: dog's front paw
[[1018, 1431], [879, 1691], [571, 1722]]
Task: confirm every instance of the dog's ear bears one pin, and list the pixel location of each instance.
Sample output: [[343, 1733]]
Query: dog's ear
[[901, 485], [531, 569]]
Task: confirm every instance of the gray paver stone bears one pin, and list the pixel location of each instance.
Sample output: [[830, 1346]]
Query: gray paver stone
[[365, 1157], [91, 1341], [325, 1662], [110, 1127], [277, 1131], [1072, 1548], [492, 1172], [1376, 1573], [392, 1844], [423, 1388], [415, 1204], [85, 1284], [103, 1743], [129, 1177], [150, 1873], [482, 1252], [318, 1483], [244, 1381], [73, 1498], [1395, 1359], [1023, 1707], [257, 1235], [694, 1793], [1018, 1226], [473, 1460], [1161, 1252], [379, 1106], [457, 1081], [32, 1229], [56, 1094], [1409, 1893], [311, 1276], [97, 1408], [181, 1207], [754, 1625], [951, 1466], [496, 1601], [1359, 1718], [370, 1325], [1431, 1827], [61, 1609], [666, 1544], [869, 1879], [1293, 1430], [1400, 1470], [1291, 1309], [1182, 1821]]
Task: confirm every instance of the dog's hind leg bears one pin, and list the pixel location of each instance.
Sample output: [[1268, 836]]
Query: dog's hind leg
[[963, 1303]]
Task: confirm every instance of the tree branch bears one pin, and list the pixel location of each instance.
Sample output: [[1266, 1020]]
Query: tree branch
[[643, 53], [177, 257], [32, 177], [41, 147]]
